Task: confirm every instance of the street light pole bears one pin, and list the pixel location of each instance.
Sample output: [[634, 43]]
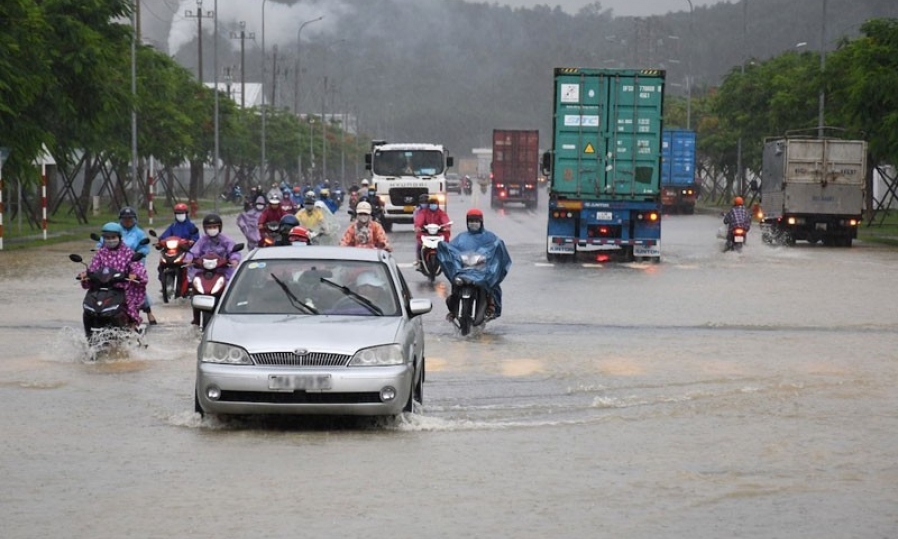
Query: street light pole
[[296, 94], [689, 66], [215, 68], [822, 97], [262, 169]]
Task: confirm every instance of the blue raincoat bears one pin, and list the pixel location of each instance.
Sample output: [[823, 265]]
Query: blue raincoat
[[491, 275]]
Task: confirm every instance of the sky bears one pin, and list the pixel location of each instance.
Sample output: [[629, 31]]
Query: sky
[[621, 8]]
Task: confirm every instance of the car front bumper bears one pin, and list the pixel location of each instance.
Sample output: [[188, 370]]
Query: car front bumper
[[245, 389]]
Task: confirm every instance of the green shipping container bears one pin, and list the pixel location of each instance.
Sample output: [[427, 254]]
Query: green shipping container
[[607, 134]]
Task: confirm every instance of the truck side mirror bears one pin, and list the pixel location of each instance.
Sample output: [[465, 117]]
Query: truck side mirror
[[547, 163], [450, 162], [367, 161]]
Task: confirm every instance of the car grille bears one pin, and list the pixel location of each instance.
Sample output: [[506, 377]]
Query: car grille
[[301, 397], [406, 196], [312, 359]]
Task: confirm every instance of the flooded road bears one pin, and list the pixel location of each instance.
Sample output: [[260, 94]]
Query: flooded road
[[711, 395]]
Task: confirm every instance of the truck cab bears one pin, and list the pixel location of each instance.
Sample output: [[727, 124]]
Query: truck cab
[[402, 172]]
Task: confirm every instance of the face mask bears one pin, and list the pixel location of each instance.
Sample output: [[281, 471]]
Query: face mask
[[308, 207], [260, 207], [364, 218], [212, 232], [112, 243], [433, 207], [181, 217], [474, 226]]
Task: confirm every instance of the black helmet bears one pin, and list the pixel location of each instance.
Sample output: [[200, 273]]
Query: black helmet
[[287, 222], [212, 219], [424, 198], [127, 212], [309, 198]]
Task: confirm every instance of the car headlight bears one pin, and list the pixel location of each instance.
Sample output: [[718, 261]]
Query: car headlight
[[376, 356], [216, 352]]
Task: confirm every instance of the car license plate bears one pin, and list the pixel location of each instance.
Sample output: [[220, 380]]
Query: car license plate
[[408, 209], [739, 239], [647, 250], [604, 216], [301, 382], [514, 192]]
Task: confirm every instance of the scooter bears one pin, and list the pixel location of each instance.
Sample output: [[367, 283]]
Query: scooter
[[430, 265], [736, 240], [211, 280], [171, 261], [473, 299], [104, 305], [270, 235]]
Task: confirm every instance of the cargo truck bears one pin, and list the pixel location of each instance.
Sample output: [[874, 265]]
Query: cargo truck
[[604, 166], [402, 172], [812, 190], [678, 188], [515, 167]]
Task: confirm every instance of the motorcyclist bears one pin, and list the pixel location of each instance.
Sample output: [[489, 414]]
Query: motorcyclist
[[737, 217], [365, 232], [115, 253], [429, 215], [299, 236], [248, 222], [315, 219], [272, 213], [212, 241], [182, 226], [325, 196], [133, 235], [477, 238], [286, 224]]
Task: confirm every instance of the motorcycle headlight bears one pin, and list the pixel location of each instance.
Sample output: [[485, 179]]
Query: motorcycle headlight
[[210, 264], [171, 244], [376, 356], [216, 352], [472, 259]]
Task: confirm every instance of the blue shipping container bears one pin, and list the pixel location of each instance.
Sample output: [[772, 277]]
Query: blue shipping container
[[678, 157]]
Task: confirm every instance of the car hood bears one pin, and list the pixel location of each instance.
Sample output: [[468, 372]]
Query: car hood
[[335, 334]]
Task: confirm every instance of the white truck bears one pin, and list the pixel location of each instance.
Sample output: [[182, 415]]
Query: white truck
[[402, 172], [812, 190]]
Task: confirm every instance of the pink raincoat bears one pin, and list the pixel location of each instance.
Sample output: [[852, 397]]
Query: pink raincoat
[[120, 260]]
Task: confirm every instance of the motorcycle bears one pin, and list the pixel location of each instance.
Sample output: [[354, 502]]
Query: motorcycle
[[270, 235], [483, 185], [473, 297], [338, 195], [173, 276], [430, 240], [235, 195], [467, 185], [211, 280], [735, 240]]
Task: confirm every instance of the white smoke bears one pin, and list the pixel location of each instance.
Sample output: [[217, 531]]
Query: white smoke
[[281, 22]]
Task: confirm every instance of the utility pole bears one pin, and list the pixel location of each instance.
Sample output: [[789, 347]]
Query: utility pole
[[822, 98], [200, 15], [274, 77], [243, 36]]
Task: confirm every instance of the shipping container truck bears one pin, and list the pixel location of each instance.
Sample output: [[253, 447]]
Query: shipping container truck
[[515, 167], [604, 165], [678, 187], [812, 190], [402, 172]]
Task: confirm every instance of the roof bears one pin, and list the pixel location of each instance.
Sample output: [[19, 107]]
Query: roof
[[322, 252]]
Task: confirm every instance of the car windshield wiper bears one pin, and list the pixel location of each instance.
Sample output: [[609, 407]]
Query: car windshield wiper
[[295, 301], [361, 300]]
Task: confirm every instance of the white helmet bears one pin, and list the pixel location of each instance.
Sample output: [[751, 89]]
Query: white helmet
[[363, 208], [365, 182]]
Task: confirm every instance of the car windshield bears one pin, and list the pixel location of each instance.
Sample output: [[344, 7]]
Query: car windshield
[[408, 162], [312, 287]]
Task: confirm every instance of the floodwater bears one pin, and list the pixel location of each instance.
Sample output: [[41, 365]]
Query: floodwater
[[711, 395]]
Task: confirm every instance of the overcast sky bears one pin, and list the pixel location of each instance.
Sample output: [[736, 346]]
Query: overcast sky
[[621, 7]]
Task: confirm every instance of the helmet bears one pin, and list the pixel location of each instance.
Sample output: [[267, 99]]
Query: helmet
[[474, 214], [433, 200], [287, 222], [738, 201], [297, 189], [180, 208], [260, 200], [325, 192], [369, 278], [363, 208], [127, 213], [211, 220], [274, 199], [112, 228], [424, 199], [365, 182], [299, 233], [309, 198]]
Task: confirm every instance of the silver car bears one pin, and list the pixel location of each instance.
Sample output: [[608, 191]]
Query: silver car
[[313, 330]]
